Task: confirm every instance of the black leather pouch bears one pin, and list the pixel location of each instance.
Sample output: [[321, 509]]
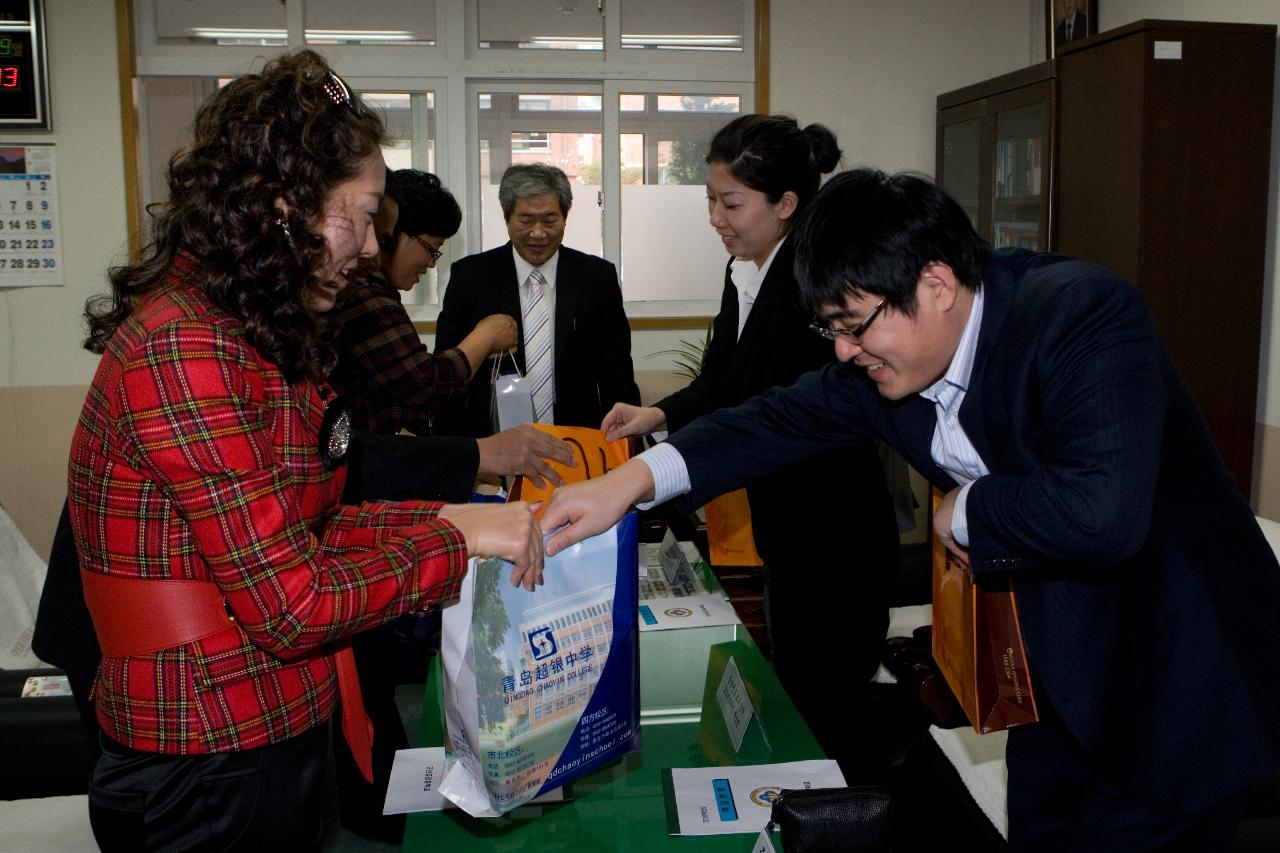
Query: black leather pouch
[[829, 820]]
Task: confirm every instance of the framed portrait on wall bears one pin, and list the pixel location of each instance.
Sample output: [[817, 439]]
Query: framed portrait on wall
[[1068, 21]]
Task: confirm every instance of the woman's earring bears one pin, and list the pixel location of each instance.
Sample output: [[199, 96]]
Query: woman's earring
[[284, 226]]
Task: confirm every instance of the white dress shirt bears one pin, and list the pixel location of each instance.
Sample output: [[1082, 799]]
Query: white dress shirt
[[951, 448], [747, 278]]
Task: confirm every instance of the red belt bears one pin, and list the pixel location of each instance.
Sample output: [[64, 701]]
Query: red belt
[[134, 617]]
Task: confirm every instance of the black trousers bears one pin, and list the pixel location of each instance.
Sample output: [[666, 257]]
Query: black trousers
[[254, 800], [1057, 802], [827, 532]]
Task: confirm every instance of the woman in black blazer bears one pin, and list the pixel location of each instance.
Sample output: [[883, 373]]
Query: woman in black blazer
[[825, 527]]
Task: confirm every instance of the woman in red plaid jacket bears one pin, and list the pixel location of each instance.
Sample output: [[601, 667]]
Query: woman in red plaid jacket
[[223, 576]]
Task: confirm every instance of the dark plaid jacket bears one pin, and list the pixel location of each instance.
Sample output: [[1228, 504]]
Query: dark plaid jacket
[[393, 381]]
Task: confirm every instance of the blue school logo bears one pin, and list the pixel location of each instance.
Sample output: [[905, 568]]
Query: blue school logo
[[542, 643], [765, 796]]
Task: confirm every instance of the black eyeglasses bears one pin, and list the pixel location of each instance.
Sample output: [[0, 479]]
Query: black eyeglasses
[[853, 334], [431, 250]]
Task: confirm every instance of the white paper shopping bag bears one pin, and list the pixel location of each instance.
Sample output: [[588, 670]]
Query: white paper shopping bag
[[541, 687], [512, 403]]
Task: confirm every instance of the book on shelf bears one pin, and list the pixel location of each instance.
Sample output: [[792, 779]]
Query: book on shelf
[[1023, 235], [1018, 168]]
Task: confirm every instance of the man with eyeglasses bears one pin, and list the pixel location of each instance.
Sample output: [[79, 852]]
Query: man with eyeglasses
[[1035, 391]]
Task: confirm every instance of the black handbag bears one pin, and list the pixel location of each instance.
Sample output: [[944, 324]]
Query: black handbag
[[831, 820]]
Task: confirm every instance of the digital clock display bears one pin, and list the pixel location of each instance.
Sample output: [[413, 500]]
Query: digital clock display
[[23, 102]]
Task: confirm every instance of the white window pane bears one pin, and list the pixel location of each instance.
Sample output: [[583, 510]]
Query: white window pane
[[699, 103], [669, 142], [370, 22], [678, 25], [220, 22], [682, 162], [632, 158], [578, 154], [558, 103], [403, 114], [673, 220], [540, 25], [564, 130]]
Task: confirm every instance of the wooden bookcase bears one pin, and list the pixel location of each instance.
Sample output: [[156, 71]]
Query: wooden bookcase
[[1145, 149]]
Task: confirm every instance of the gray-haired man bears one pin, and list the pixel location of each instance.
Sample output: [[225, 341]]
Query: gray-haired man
[[575, 343]]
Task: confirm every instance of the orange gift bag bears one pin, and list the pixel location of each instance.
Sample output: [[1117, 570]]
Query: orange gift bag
[[977, 643], [595, 457], [729, 535]]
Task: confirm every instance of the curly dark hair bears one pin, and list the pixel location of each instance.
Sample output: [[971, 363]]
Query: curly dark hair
[[279, 134]]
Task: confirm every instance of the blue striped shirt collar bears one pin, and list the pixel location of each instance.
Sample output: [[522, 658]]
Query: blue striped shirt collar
[[957, 375]]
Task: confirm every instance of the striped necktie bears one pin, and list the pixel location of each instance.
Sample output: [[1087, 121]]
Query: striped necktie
[[537, 348]]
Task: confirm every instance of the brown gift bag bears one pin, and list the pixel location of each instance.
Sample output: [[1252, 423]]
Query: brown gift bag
[[729, 536], [595, 457], [977, 643]]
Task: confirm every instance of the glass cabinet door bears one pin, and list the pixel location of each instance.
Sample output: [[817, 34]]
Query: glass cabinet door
[[1020, 178], [961, 161]]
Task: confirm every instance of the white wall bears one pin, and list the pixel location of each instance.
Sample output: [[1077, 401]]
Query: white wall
[[40, 329], [871, 70]]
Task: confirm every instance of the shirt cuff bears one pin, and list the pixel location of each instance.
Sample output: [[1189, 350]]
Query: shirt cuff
[[670, 474], [960, 515]]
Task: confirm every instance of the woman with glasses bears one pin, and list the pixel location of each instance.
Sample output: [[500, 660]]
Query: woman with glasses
[[222, 573], [392, 378], [825, 528]]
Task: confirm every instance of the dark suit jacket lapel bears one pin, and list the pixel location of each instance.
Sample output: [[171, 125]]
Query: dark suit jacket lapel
[[569, 275], [998, 288]]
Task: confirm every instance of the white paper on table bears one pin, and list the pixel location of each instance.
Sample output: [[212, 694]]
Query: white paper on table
[[416, 775], [732, 800], [415, 781], [690, 611]]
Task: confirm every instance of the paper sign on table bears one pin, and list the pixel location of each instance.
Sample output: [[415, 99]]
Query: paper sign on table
[[731, 800], [734, 703], [690, 611], [675, 565]]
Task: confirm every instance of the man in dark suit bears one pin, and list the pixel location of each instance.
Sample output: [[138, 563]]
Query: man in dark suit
[[1073, 26], [1035, 391], [588, 351]]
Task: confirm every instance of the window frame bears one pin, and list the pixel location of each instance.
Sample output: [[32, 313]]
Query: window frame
[[452, 69]]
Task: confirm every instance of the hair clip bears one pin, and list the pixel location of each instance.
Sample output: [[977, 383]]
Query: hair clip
[[337, 90], [284, 226]]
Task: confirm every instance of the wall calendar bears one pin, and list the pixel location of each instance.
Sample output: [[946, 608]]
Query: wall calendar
[[30, 245]]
